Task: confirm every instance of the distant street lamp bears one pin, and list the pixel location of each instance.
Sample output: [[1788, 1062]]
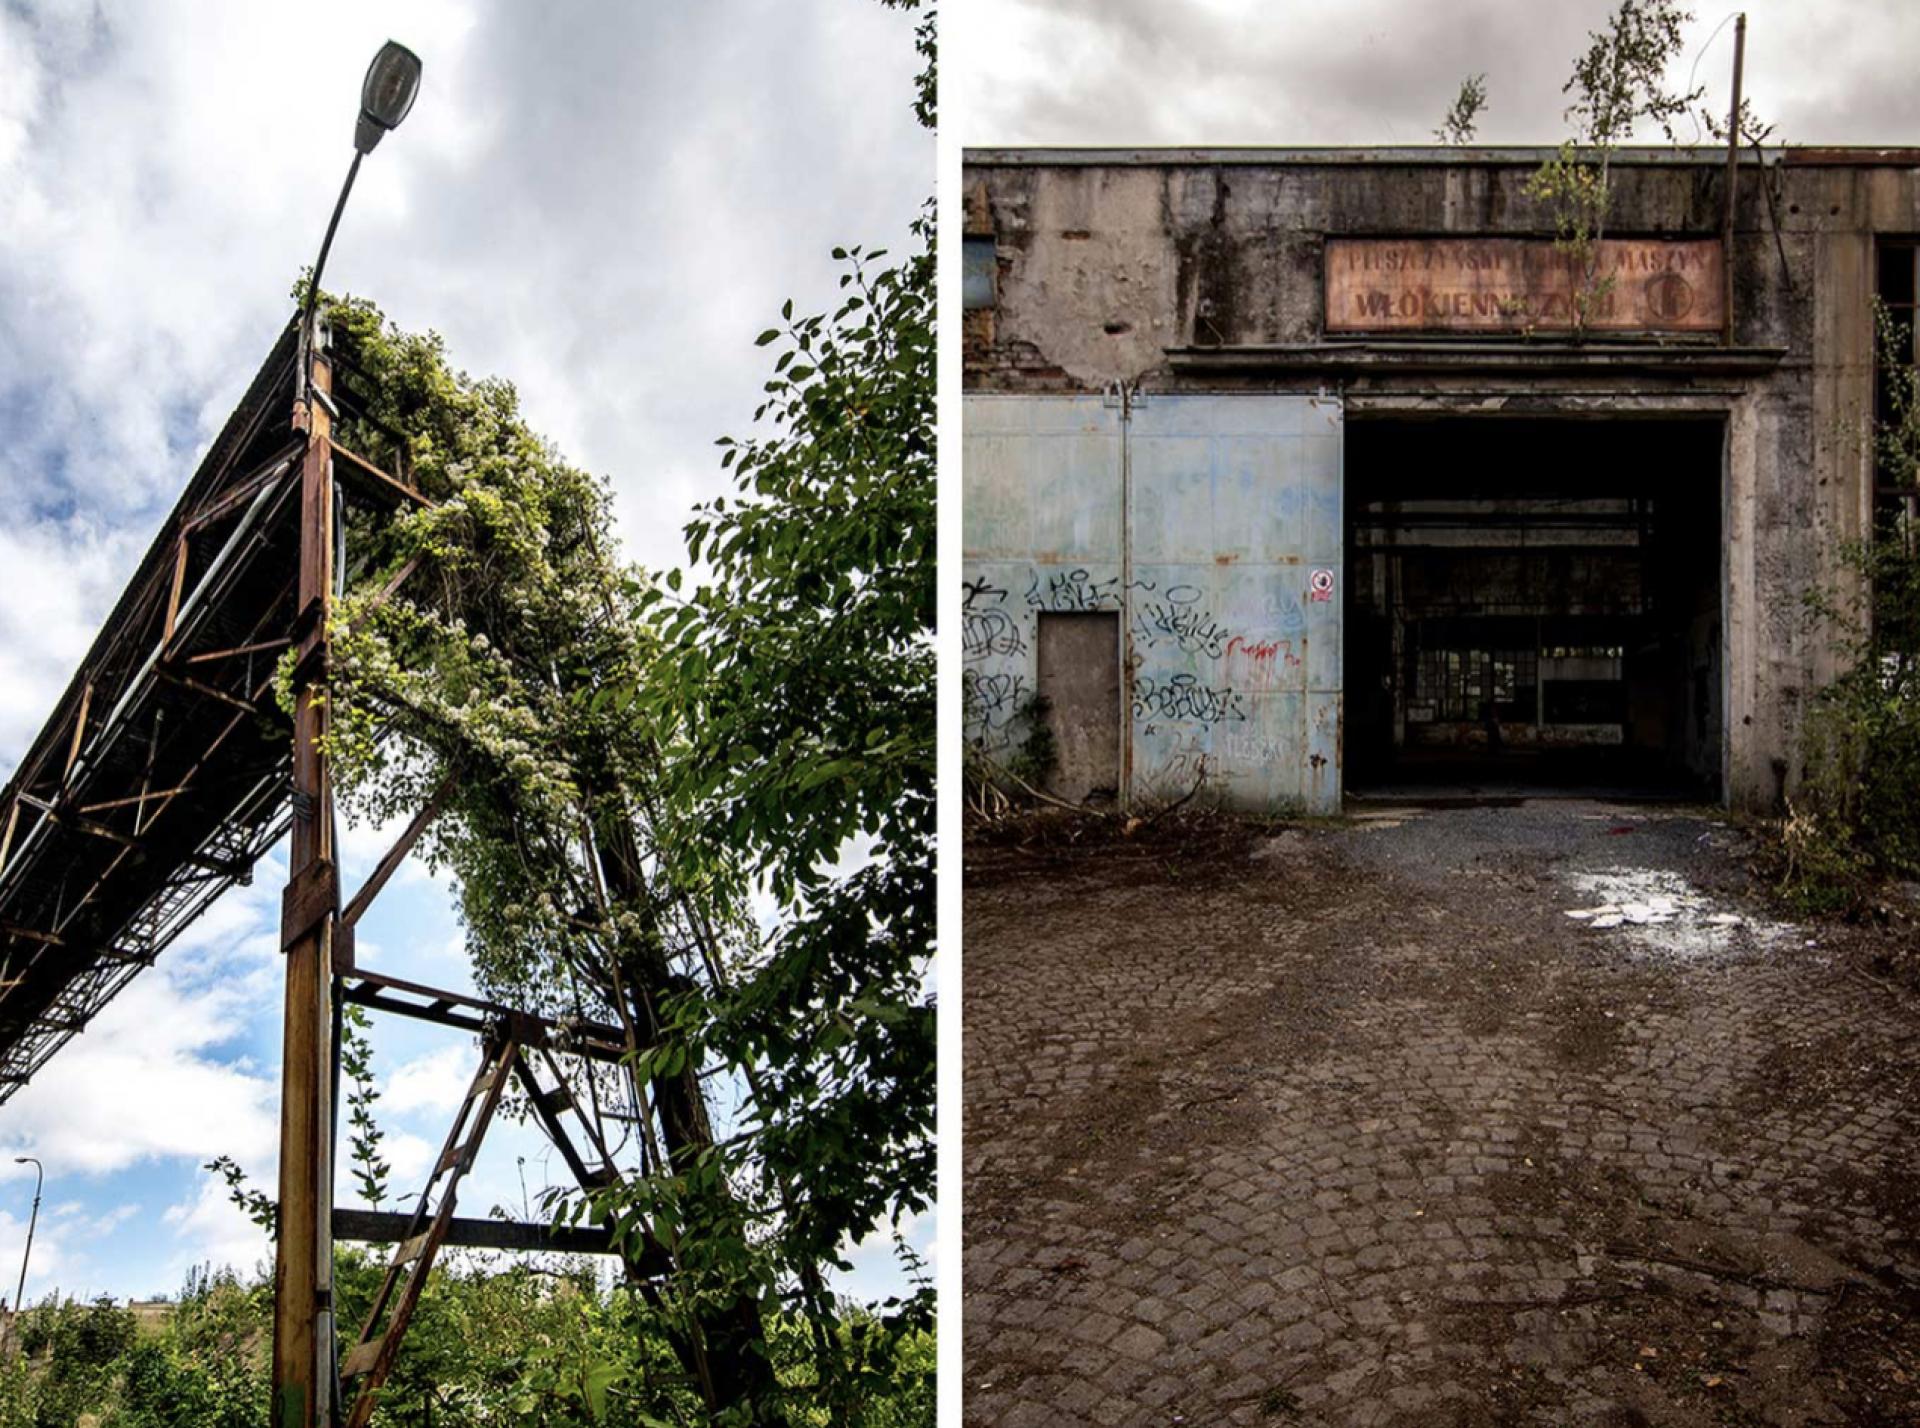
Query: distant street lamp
[[386, 94], [39, 1179]]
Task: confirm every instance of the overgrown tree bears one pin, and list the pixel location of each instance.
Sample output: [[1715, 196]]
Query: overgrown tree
[[631, 766], [1618, 85], [1856, 818], [1462, 119]]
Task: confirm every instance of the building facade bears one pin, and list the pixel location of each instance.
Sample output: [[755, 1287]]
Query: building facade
[[1291, 473]]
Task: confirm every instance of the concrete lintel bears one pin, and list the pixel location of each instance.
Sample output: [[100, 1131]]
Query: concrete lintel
[[1450, 155], [1476, 358]]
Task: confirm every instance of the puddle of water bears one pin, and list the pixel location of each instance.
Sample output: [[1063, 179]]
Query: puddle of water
[[1665, 914]]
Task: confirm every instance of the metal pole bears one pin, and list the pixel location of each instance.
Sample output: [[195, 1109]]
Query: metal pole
[[303, 1266], [1733, 172], [39, 1181]]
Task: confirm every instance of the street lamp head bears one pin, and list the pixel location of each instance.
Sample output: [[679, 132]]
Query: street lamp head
[[387, 93]]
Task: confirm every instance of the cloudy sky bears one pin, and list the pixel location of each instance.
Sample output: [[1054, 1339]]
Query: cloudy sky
[[1190, 72], [603, 203]]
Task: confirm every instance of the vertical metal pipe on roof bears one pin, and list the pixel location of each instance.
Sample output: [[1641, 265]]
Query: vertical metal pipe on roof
[[1733, 173]]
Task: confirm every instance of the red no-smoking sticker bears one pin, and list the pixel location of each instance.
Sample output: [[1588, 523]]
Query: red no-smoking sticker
[[1320, 585]]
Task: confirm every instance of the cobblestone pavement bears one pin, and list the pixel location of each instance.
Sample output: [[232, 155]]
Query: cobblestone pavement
[[1355, 1124]]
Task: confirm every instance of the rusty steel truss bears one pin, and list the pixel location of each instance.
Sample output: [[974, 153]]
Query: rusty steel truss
[[168, 769]]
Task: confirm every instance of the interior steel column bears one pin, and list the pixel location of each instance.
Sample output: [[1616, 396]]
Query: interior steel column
[[303, 1264]]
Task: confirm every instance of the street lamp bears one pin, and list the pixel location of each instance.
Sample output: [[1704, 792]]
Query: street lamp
[[386, 94], [39, 1179]]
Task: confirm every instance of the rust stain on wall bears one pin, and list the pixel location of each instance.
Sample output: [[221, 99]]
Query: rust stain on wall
[[1512, 284]]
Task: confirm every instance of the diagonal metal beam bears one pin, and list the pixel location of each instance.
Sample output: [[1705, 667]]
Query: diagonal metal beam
[[395, 855]]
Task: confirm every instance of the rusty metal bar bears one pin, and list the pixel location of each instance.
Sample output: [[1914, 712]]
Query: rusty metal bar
[[201, 687], [79, 731], [246, 491], [303, 1258], [390, 1227], [51, 939], [131, 801], [179, 579], [386, 593], [595, 1041], [98, 830], [397, 853], [382, 482], [258, 647], [371, 1358]]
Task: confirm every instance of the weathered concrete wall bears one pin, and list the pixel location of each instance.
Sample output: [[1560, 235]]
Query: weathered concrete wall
[[1109, 269]]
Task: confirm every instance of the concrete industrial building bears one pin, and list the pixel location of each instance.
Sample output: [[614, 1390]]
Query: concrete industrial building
[[1285, 470]]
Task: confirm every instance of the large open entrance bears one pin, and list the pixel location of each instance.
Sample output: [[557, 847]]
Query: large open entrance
[[1534, 604]]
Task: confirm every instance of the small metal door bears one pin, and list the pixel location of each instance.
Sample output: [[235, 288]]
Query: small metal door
[[1079, 686]]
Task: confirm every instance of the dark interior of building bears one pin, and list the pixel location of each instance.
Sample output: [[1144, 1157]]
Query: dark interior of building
[[1534, 604]]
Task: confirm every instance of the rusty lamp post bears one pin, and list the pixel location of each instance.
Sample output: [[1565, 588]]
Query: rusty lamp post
[[386, 95], [39, 1180], [306, 1380]]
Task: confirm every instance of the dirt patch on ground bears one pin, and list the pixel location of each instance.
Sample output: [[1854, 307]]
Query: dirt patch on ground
[[1356, 1124]]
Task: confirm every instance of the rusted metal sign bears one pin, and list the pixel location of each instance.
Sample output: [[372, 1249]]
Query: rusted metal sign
[[1516, 284]]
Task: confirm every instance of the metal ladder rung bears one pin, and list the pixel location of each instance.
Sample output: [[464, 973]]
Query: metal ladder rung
[[454, 1156], [361, 1357], [559, 1099], [410, 1250]]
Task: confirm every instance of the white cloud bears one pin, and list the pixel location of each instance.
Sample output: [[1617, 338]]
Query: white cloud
[[408, 1157], [48, 1260], [61, 577], [877, 1269], [1104, 72], [143, 1081], [436, 1081], [208, 1228]]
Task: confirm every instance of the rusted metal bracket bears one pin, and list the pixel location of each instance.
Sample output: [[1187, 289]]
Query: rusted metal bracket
[[312, 894]]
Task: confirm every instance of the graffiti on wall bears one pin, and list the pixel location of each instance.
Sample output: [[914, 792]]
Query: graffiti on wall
[[1074, 589], [1197, 678], [980, 593], [1182, 698], [1177, 618], [991, 702], [1285, 615], [985, 634], [1263, 652]]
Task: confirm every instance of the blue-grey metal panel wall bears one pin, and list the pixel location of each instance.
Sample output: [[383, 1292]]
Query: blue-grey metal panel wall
[[1226, 571], [1236, 653], [1041, 531]]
